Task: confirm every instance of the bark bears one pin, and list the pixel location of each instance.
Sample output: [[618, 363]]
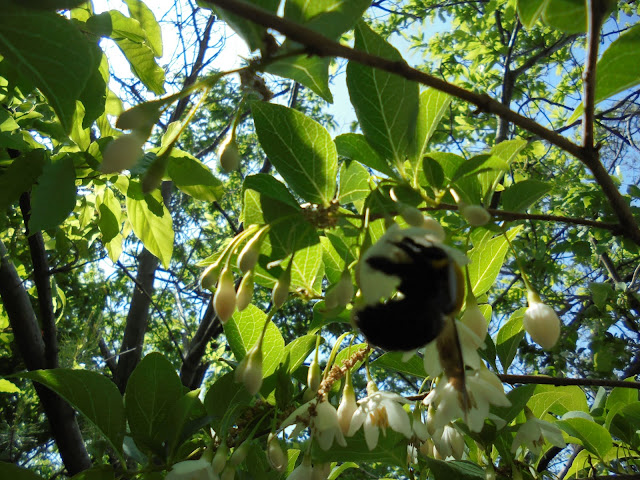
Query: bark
[[28, 337]]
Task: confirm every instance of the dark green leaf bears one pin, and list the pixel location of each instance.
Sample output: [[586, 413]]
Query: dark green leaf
[[568, 16], [331, 18], [20, 176], [356, 147], [152, 390], [14, 472], [391, 449], [54, 196], [462, 470], [529, 11], [433, 173], [393, 361], [509, 337], [225, 400], [520, 196], [101, 472], [249, 31], [310, 71], [50, 51], [93, 395]]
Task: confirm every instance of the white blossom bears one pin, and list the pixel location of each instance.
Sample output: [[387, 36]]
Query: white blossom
[[326, 427], [192, 470], [449, 442], [378, 411], [533, 432], [541, 322]]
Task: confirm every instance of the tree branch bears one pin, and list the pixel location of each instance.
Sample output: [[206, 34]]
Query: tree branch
[[320, 45], [26, 332]]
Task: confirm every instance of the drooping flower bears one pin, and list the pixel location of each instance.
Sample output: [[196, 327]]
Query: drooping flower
[[326, 427], [533, 433], [379, 411], [476, 215], [245, 291], [224, 300], [348, 405], [541, 322], [229, 154], [304, 471], [280, 291], [276, 456], [192, 470], [249, 371], [475, 321], [449, 442]]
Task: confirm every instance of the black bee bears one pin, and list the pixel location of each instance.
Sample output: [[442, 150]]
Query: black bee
[[431, 287]]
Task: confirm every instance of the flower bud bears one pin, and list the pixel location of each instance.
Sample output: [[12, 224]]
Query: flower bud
[[229, 154], [224, 301], [140, 117], [541, 322], [220, 458], [348, 405], [191, 470], [276, 456], [122, 153], [280, 292], [476, 215], [314, 376], [331, 298], [344, 289], [321, 471], [239, 454], [249, 371], [249, 255], [437, 231], [245, 291], [210, 276], [229, 473], [474, 319], [412, 215]]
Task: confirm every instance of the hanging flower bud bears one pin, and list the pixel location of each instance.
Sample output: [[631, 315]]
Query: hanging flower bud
[[239, 454], [229, 154], [476, 215], [541, 322], [331, 297], [276, 456], [210, 276], [249, 255], [224, 301], [411, 215], [344, 289], [249, 371], [437, 231], [474, 319], [281, 290], [321, 471], [122, 153], [229, 473], [220, 458], [245, 291], [314, 376], [191, 470], [348, 404]]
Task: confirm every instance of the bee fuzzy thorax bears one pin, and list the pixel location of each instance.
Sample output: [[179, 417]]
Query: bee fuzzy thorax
[[409, 282]]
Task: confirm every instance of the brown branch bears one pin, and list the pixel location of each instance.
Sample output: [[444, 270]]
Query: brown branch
[[42, 281], [596, 10], [28, 337], [320, 45]]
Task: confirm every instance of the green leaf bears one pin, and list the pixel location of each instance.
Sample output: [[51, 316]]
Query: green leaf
[[568, 16], [463, 470], [393, 361], [507, 152], [625, 424], [132, 41], [356, 147], [432, 171], [509, 337], [391, 450], [20, 176], [386, 105], [518, 397], [100, 472], [298, 350], [601, 293], [14, 472], [520, 196], [300, 149], [54, 196], [331, 18], [139, 11], [617, 68], [109, 211], [486, 261], [242, 332], [50, 51], [93, 395], [558, 400], [151, 221], [529, 11], [225, 400], [152, 390], [337, 470], [354, 182], [433, 105], [249, 31], [268, 186], [178, 418], [595, 438], [310, 71], [192, 177]]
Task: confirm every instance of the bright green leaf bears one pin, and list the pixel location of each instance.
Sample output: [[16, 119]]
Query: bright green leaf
[[568, 16], [193, 177], [308, 70], [356, 147], [148, 22], [520, 196], [354, 182], [386, 104], [433, 105], [7, 387], [509, 337], [595, 438], [300, 149], [529, 11]]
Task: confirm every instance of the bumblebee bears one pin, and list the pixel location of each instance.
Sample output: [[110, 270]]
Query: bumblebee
[[431, 287]]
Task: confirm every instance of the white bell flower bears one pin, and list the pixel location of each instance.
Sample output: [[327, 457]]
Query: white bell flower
[[541, 322], [378, 411], [449, 442], [192, 470], [533, 433]]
